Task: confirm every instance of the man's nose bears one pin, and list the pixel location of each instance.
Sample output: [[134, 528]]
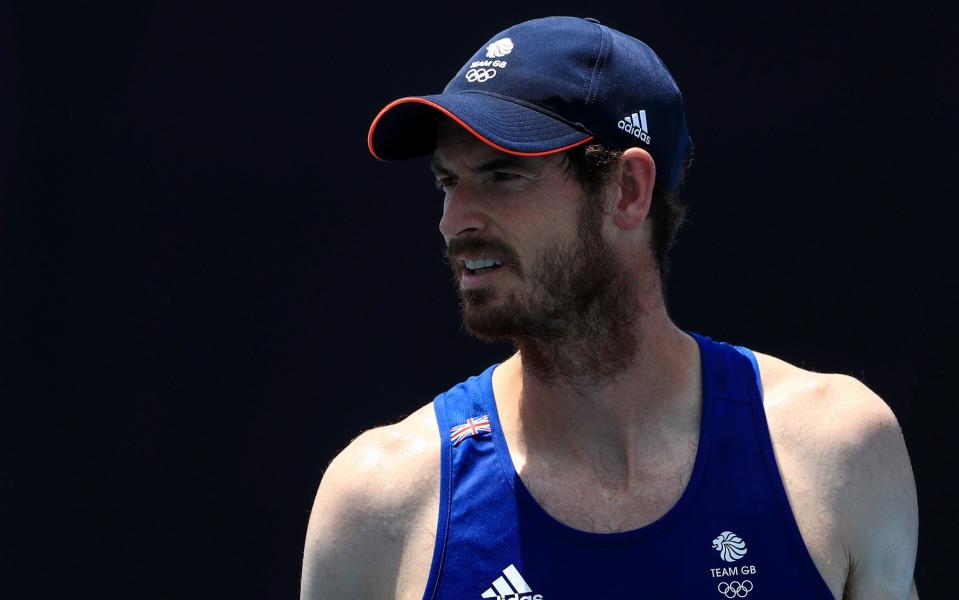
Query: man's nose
[[462, 211]]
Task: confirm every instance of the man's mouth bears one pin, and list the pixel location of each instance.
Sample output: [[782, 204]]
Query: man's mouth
[[479, 266]]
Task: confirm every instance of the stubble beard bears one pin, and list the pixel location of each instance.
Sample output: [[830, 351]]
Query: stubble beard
[[574, 320]]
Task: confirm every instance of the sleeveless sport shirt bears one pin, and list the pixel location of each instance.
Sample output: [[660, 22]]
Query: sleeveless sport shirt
[[731, 534]]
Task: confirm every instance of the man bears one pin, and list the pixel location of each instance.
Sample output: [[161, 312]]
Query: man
[[614, 455]]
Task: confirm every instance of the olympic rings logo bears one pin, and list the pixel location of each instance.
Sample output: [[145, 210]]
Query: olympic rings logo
[[735, 589], [480, 75]]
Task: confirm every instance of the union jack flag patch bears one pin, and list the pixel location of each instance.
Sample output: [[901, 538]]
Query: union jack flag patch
[[470, 428]]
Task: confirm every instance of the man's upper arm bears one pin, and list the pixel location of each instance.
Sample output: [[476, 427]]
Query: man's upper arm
[[374, 502], [345, 547], [878, 508]]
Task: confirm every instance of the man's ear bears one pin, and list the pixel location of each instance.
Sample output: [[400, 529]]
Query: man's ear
[[634, 181]]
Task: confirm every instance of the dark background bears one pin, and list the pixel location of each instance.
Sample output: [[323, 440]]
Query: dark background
[[209, 287]]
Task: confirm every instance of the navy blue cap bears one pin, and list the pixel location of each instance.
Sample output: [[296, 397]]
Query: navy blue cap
[[545, 86]]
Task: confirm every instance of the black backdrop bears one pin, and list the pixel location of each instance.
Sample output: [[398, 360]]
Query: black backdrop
[[209, 287]]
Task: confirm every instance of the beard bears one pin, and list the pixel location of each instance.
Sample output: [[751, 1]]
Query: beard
[[574, 318]]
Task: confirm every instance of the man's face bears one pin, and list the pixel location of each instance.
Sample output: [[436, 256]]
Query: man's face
[[526, 246]]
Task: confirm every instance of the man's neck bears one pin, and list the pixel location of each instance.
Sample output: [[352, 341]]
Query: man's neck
[[607, 427]]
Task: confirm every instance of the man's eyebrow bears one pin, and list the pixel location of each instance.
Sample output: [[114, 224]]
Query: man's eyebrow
[[494, 164], [437, 167], [506, 162]]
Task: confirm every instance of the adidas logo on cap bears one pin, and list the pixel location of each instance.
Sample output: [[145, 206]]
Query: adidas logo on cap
[[635, 124]]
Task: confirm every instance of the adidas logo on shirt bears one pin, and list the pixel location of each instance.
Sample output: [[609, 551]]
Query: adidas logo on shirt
[[511, 586], [636, 125]]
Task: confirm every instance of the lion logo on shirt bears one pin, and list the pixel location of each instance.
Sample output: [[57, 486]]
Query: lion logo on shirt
[[731, 547]]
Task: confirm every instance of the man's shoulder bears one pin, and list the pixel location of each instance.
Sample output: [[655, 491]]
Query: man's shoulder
[[844, 462], [833, 421], [831, 408], [376, 504], [388, 467]]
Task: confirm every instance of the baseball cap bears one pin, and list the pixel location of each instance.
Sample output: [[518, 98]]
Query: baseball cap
[[547, 85]]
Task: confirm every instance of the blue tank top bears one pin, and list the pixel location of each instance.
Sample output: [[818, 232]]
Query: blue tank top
[[731, 534]]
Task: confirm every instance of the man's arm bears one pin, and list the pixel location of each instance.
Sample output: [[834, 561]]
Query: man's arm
[[878, 507], [368, 512], [345, 550]]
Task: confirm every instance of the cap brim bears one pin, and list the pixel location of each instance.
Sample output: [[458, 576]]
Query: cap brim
[[406, 127]]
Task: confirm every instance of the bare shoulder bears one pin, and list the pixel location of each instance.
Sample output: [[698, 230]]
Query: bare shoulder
[[376, 499], [386, 468], [827, 408], [847, 473]]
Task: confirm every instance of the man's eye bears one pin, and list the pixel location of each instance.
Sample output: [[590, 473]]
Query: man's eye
[[444, 182], [501, 176]]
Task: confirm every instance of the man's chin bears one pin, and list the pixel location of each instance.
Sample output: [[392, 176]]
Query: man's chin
[[485, 318], [477, 297], [487, 330]]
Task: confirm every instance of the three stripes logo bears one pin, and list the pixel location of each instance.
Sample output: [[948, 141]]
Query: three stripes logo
[[511, 586], [635, 124]]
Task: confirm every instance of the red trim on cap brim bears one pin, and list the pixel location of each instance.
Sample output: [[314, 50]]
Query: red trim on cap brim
[[490, 143]]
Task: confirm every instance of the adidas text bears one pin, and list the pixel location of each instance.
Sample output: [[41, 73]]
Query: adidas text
[[636, 131], [635, 124]]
